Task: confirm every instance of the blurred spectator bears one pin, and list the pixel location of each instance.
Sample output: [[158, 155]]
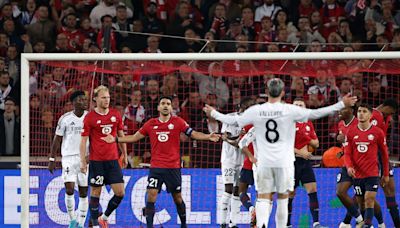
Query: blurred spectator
[[306, 8], [123, 90], [318, 93], [122, 24], [151, 98], [346, 87], [105, 7], [86, 29], [13, 36], [191, 44], [182, 21], [137, 42], [42, 136], [304, 35], [211, 45], [134, 113], [268, 9], [153, 43], [186, 82], [266, 35], [74, 36], [214, 85], [281, 22], [4, 43], [151, 23], [7, 14], [219, 23], [39, 47], [384, 14], [33, 78], [297, 90], [10, 129], [344, 31], [28, 15], [5, 89], [43, 29], [14, 65], [192, 108], [331, 13], [170, 85], [376, 93], [234, 100], [62, 45], [248, 26], [106, 25], [232, 10]]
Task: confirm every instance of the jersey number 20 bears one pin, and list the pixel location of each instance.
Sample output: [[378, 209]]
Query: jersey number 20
[[272, 135]]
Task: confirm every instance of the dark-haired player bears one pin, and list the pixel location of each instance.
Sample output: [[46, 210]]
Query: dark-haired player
[[361, 158], [104, 168], [165, 163], [303, 171], [68, 132], [381, 117]]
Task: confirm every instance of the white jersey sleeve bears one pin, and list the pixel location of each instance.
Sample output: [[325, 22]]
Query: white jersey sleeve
[[60, 130], [241, 120], [70, 128], [230, 155], [248, 138]]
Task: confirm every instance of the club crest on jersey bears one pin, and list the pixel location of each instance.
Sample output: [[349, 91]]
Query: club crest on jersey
[[308, 128], [155, 127], [356, 137], [370, 137], [98, 122], [113, 119], [374, 122], [171, 126]]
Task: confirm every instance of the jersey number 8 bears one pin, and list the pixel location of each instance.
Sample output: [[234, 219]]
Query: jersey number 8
[[272, 135]]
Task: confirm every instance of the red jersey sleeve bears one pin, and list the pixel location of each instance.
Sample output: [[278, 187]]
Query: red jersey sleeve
[[313, 135], [86, 126], [384, 152], [348, 151], [144, 129]]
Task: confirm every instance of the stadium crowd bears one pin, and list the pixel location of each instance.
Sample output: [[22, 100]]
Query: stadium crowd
[[80, 26]]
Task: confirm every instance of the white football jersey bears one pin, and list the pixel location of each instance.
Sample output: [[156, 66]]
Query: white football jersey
[[70, 128], [275, 128], [229, 153]]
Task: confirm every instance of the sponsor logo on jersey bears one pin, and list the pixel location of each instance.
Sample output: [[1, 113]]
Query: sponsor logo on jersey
[[356, 137], [98, 122], [171, 126], [308, 128], [113, 119], [72, 123], [155, 127], [370, 137]]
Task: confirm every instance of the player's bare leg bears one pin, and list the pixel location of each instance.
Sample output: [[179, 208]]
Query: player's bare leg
[[311, 189], [391, 204], [180, 208], [150, 207], [369, 201], [94, 205], [70, 203], [119, 193], [83, 206], [351, 206], [246, 202]]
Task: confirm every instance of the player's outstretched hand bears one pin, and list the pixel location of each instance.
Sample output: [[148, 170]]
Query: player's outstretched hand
[[351, 171], [349, 100], [214, 137], [207, 109], [83, 167], [108, 139], [384, 180], [52, 166]]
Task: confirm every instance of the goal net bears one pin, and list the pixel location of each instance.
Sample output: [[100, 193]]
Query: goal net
[[221, 80]]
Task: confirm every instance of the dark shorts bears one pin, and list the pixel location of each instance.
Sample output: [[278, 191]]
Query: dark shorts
[[303, 172], [343, 176], [370, 184], [170, 177], [246, 176], [104, 173]]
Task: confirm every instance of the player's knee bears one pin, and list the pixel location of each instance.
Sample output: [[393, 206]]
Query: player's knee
[[311, 187], [340, 192], [369, 201], [389, 189], [229, 188], [69, 191]]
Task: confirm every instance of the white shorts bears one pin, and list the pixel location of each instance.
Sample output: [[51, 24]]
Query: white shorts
[[230, 174], [71, 170], [280, 180]]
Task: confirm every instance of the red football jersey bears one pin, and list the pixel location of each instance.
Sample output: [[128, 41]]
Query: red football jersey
[[247, 164], [361, 151], [305, 132], [165, 141], [96, 126], [344, 128], [378, 120]]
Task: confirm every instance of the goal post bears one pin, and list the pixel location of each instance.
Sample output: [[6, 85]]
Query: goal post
[[26, 58]]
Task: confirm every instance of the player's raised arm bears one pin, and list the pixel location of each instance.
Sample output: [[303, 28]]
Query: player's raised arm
[[347, 101], [124, 139], [244, 119], [83, 152], [214, 137], [55, 147]]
